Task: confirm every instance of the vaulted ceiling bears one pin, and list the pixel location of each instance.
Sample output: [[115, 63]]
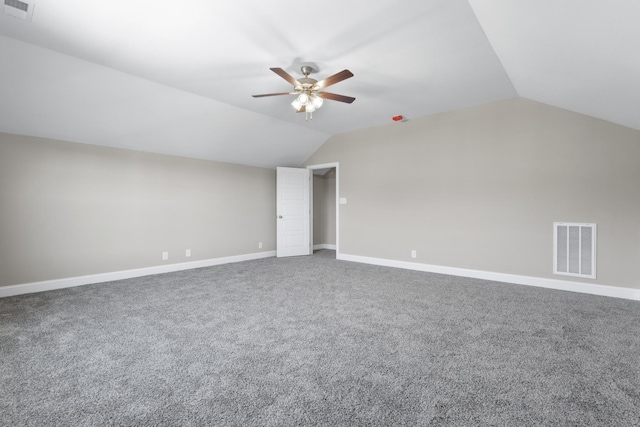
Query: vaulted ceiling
[[177, 77]]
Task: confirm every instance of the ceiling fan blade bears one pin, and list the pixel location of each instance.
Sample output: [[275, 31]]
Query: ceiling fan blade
[[336, 97], [288, 77], [273, 94], [331, 80]]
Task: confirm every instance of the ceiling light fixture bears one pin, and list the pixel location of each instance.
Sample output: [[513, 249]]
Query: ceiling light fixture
[[309, 92], [307, 102]]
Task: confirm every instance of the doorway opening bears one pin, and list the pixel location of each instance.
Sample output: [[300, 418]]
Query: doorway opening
[[324, 228]]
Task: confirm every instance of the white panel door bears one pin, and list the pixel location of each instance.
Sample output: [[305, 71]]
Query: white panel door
[[293, 212]]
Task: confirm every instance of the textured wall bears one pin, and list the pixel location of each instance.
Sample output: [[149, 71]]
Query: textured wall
[[480, 188], [70, 209]]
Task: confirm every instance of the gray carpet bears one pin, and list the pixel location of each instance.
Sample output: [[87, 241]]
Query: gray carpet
[[315, 341]]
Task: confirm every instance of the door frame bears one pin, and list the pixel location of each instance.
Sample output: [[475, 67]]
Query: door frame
[[327, 166]]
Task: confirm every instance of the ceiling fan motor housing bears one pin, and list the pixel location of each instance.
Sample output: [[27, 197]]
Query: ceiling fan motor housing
[[306, 83]]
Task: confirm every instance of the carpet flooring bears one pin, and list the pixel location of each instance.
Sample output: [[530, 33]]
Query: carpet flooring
[[309, 341]]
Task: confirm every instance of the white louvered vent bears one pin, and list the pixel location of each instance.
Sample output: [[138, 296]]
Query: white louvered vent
[[19, 9], [574, 249]]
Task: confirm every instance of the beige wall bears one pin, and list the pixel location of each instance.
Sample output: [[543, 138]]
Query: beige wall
[[318, 210], [70, 209], [324, 208], [480, 188], [329, 218]]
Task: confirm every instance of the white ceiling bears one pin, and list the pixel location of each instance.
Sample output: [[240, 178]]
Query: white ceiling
[[177, 77]]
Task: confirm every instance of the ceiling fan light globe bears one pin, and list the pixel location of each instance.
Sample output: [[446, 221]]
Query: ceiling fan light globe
[[317, 101], [310, 108], [303, 98], [296, 104]]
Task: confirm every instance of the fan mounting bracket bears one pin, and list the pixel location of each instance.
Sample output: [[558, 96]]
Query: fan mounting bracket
[[306, 70]]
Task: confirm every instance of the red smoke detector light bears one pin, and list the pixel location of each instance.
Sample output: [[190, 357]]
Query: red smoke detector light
[[396, 118]]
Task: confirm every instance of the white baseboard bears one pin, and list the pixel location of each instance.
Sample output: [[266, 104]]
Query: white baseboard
[[562, 285], [48, 285], [324, 246]]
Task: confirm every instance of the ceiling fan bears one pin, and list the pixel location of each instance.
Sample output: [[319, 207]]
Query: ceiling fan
[[310, 91]]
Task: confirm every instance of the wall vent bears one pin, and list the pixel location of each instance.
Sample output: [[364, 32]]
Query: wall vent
[[574, 249], [19, 9]]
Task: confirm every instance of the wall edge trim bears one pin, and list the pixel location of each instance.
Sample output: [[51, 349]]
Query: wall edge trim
[[324, 246], [561, 285], [69, 282]]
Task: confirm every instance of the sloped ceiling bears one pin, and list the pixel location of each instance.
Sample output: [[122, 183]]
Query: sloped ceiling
[[177, 77]]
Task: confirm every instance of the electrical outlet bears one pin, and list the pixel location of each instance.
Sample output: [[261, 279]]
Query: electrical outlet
[[165, 256], [413, 254], [188, 253], [259, 245]]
